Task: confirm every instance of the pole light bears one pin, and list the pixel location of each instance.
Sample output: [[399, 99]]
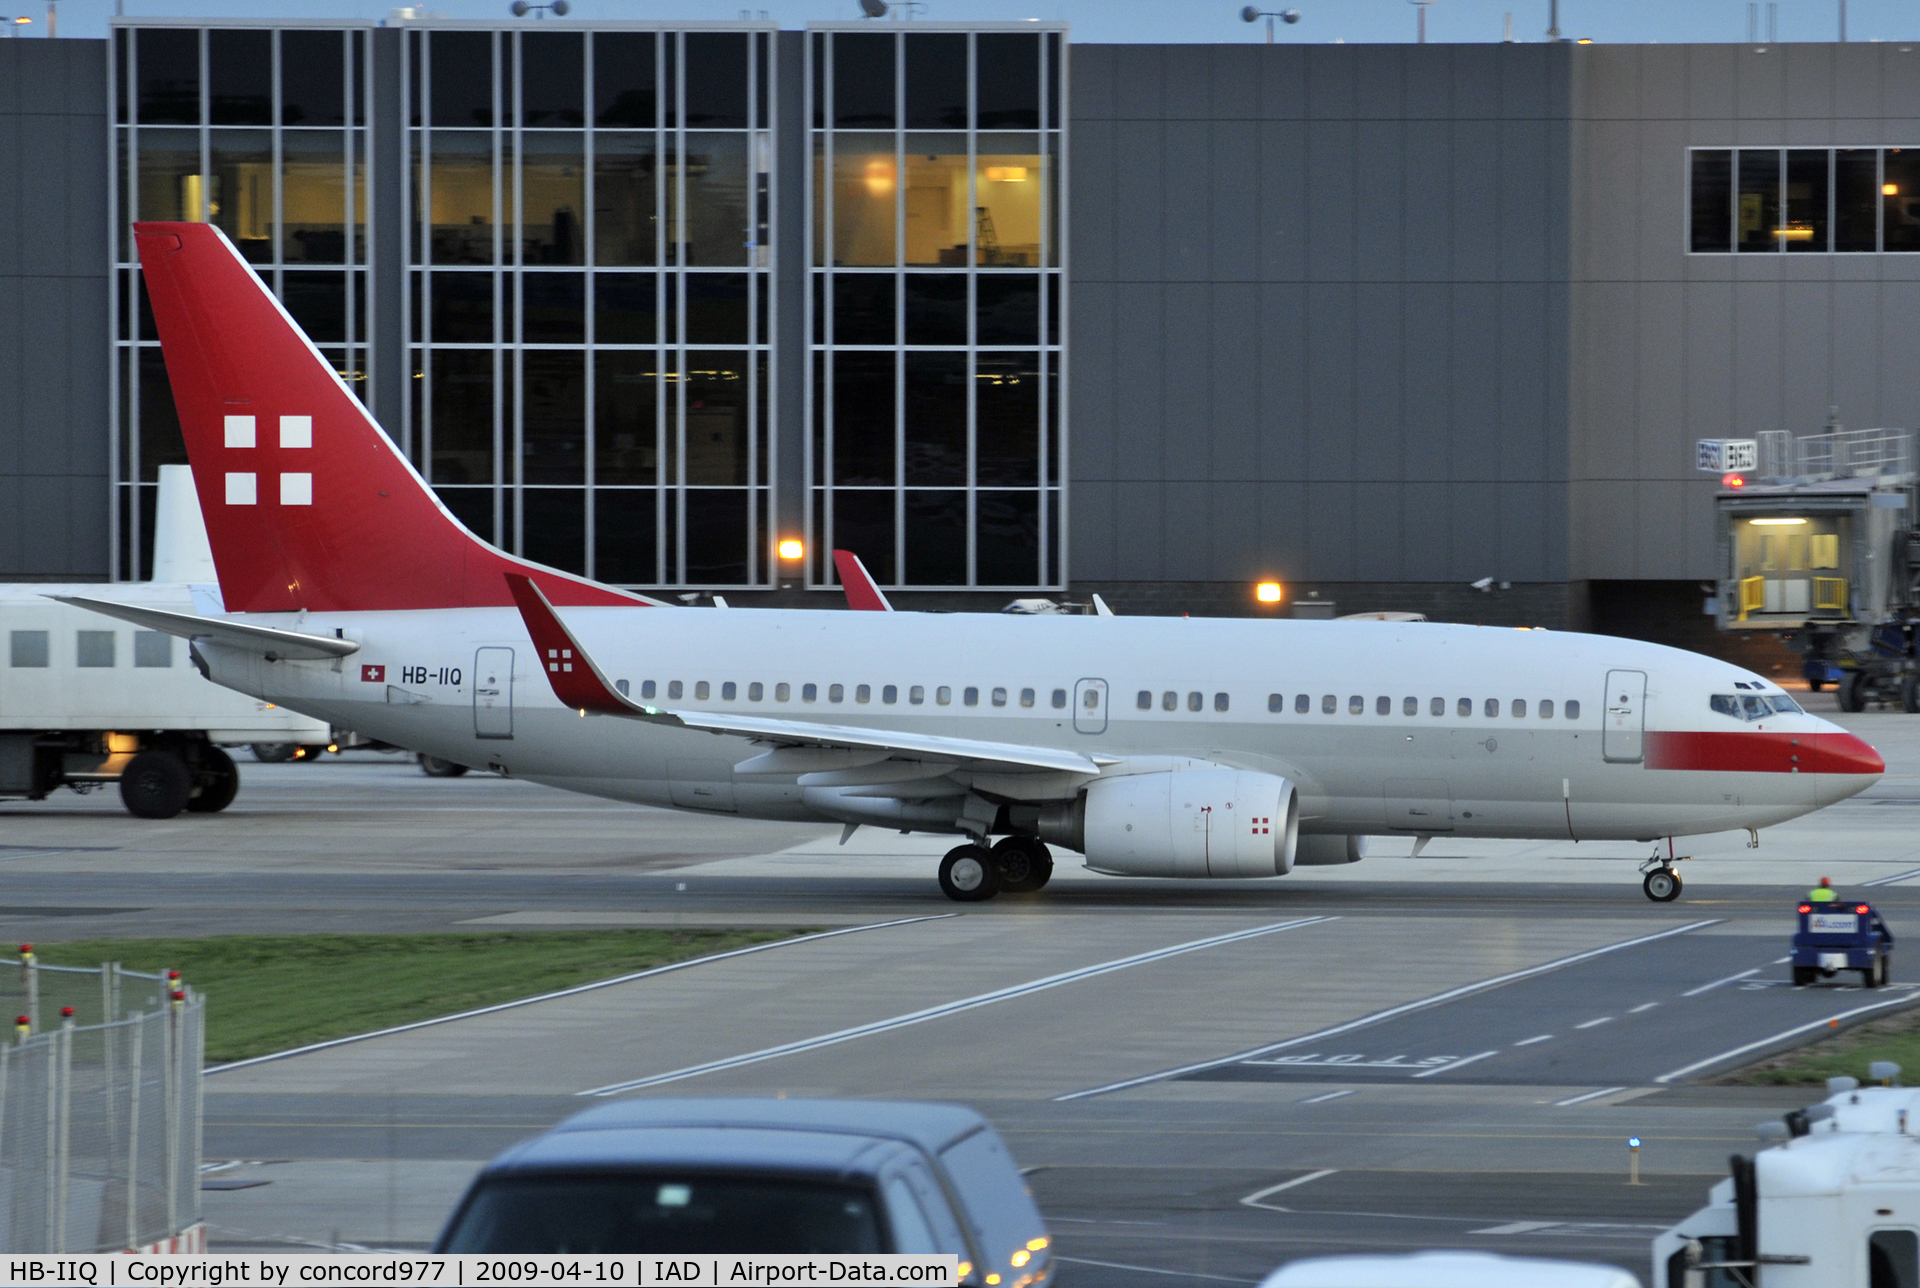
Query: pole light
[[1253, 13], [792, 549], [1421, 7]]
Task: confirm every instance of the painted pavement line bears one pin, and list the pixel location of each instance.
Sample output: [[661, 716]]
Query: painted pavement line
[[1894, 879], [1708, 988], [952, 1008], [1781, 1036], [1457, 1064], [1644, 1006], [1153, 1270], [1517, 1227], [1594, 1024], [1578, 1100], [577, 989], [1544, 1037], [1322, 1099], [1392, 1012], [1253, 1200]]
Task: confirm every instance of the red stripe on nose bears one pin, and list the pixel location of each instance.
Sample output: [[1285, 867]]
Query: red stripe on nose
[[1753, 752]]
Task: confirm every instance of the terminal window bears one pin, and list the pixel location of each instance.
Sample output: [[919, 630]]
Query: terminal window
[[1803, 200]]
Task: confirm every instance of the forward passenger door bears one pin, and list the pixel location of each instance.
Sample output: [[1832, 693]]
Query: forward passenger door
[[1623, 737]]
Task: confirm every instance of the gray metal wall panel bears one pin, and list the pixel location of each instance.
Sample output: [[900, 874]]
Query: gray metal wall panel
[[1475, 230], [1899, 83], [1473, 523], [1093, 229], [1185, 70], [1139, 211], [1330, 532], [1093, 88], [1379, 545], [1234, 516], [1186, 405], [1233, 382], [1233, 82], [1329, 372], [1379, 231], [1095, 385], [1186, 205], [1092, 527], [1426, 206], [1427, 531], [1187, 539], [1379, 413], [1523, 532], [1524, 340], [1379, 74], [1282, 390], [1138, 82], [1330, 83], [1233, 201], [1139, 387], [1473, 441], [1332, 154], [1282, 162], [1283, 82]]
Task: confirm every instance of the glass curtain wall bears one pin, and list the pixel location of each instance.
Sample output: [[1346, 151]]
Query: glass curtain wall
[[590, 281], [262, 132], [1796, 200], [936, 427]]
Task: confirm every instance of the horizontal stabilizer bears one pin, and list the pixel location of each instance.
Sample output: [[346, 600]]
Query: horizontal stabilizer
[[269, 641]]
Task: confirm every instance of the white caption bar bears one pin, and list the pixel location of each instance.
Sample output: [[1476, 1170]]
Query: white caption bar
[[161, 1270]]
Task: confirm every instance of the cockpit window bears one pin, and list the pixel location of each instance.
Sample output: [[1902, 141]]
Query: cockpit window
[[1728, 704], [1756, 708], [1786, 706], [1748, 706]]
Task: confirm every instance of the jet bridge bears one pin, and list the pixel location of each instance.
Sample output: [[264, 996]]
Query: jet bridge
[[1817, 544]]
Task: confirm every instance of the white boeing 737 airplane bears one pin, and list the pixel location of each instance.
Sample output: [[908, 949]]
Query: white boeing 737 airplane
[[1168, 747]]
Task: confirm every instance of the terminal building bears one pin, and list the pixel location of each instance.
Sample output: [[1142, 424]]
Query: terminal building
[[1003, 314]]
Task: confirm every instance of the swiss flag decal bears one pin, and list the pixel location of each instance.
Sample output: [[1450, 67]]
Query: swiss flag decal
[[373, 674]]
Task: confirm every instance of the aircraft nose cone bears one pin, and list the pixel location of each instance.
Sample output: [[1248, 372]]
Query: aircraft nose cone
[[1843, 753]]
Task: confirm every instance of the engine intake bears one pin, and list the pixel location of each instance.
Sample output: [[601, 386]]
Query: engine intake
[[1213, 822]]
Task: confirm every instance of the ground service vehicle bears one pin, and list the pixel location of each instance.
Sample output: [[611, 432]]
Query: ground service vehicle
[[1446, 1270], [1842, 936], [762, 1176], [1164, 747], [1834, 1204], [86, 702]]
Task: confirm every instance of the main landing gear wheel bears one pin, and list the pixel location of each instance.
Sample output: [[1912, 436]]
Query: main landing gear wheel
[[969, 874], [1025, 864], [1662, 885]]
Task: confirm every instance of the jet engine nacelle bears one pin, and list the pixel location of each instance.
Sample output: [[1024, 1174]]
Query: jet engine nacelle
[[1212, 822]]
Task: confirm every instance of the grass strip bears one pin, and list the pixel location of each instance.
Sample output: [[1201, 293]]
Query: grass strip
[[1893, 1037], [267, 993]]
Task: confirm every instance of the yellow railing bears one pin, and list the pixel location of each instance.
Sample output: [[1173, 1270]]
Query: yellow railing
[[1753, 595], [1830, 594]]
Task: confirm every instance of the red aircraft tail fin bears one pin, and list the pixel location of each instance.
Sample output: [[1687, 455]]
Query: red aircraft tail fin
[[308, 504]]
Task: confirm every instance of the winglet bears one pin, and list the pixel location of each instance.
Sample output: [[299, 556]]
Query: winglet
[[1100, 608], [863, 596], [575, 679]]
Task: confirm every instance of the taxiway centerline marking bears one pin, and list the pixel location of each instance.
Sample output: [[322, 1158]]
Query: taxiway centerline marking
[[1896, 877], [1253, 1200], [1449, 1068], [1782, 1036], [1544, 1037], [952, 1008], [577, 989], [1575, 1100], [1322, 1099], [1594, 1024], [1391, 1013], [1644, 1006], [1517, 1227], [1708, 988]]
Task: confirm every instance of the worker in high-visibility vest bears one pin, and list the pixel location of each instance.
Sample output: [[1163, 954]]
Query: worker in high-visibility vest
[[1822, 893]]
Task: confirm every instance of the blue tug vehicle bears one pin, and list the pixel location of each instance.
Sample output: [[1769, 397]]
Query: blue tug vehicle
[[1841, 936]]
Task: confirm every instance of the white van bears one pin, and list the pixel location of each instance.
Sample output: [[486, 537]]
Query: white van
[[86, 701], [1446, 1270]]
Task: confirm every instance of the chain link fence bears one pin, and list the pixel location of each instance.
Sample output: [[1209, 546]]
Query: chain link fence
[[100, 1114]]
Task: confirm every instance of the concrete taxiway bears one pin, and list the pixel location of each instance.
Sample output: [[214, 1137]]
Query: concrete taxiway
[[1203, 1080]]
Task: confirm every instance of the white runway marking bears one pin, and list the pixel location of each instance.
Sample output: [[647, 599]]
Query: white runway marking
[[1781, 1036], [1707, 988], [1575, 1100], [952, 1008], [1253, 1199], [1322, 1099], [576, 989], [1392, 1012], [1894, 879], [1517, 1227], [1155, 1270], [1544, 1037], [1457, 1064], [1644, 1006], [1594, 1024], [1782, 961]]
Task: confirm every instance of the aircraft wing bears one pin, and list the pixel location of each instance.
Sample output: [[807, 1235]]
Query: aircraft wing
[[578, 681], [272, 642]]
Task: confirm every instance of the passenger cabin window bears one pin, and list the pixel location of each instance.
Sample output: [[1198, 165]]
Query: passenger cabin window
[[1169, 701], [917, 695], [1219, 702], [1143, 700], [1356, 705], [622, 686], [1546, 708], [1519, 708], [889, 693], [1302, 704], [1275, 702], [674, 688], [1329, 704], [729, 691], [1893, 1259], [152, 649], [29, 648], [1383, 705], [809, 693], [1195, 701], [1465, 708], [863, 693], [1439, 707], [1493, 708], [94, 648], [1410, 707], [756, 691], [783, 692], [970, 696], [836, 693], [1026, 697], [1572, 709], [646, 689], [999, 697], [700, 691], [1059, 699], [943, 695]]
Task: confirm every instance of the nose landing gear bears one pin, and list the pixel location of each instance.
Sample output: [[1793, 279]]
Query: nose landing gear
[[1660, 879]]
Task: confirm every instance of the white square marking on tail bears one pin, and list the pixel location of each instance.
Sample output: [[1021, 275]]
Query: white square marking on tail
[[296, 431], [296, 489], [240, 432], [240, 487]]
